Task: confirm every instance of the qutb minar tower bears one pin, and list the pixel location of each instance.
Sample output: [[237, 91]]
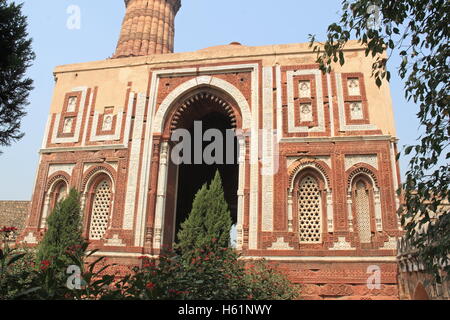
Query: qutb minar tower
[[148, 28], [311, 186]]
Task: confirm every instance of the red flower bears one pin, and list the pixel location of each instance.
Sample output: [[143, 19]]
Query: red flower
[[148, 265], [150, 285], [45, 264], [8, 229]]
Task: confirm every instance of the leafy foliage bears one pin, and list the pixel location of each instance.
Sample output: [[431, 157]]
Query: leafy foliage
[[214, 273], [16, 56], [9, 278], [266, 282], [26, 279], [418, 30], [18, 274]]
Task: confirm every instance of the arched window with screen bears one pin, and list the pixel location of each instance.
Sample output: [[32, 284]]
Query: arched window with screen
[[310, 209], [363, 201], [100, 207]]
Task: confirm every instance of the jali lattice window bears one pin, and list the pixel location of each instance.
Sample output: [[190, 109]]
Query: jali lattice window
[[363, 212], [100, 210], [310, 211]]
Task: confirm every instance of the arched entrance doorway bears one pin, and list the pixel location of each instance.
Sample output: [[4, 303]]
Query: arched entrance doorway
[[420, 293], [203, 140]]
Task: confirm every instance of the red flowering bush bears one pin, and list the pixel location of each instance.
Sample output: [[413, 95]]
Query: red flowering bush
[[7, 230], [212, 273]]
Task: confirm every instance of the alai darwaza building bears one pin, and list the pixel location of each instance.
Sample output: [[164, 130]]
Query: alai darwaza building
[[312, 183]]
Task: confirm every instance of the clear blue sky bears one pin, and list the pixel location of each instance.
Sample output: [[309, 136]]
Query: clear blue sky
[[199, 24]]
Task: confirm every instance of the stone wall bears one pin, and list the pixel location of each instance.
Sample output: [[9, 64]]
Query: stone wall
[[414, 282], [14, 214]]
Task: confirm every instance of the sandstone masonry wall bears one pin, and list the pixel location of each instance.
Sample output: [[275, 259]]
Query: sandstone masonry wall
[[14, 213]]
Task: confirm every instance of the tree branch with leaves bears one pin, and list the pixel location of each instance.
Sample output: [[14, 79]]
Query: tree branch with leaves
[[16, 56]]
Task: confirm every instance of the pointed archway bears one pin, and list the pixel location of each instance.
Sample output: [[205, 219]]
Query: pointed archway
[[200, 113], [161, 203], [420, 293]]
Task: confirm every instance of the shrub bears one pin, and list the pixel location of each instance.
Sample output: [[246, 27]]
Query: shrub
[[214, 273], [209, 219], [63, 232]]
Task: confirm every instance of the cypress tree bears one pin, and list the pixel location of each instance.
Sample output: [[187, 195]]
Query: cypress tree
[[209, 220], [64, 231], [218, 217]]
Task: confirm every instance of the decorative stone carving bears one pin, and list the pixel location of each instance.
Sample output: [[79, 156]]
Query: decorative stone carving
[[133, 178], [115, 241], [290, 213], [353, 87], [107, 122], [292, 127], [343, 126], [280, 244], [157, 238], [391, 244], [362, 213], [71, 126], [67, 168], [304, 89], [30, 238], [68, 123], [356, 111], [269, 152], [239, 238], [342, 244], [378, 216], [161, 194], [326, 159], [100, 211], [212, 82], [306, 113], [349, 211], [72, 104], [310, 211], [370, 159]]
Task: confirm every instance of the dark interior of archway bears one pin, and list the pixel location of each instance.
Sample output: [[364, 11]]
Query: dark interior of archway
[[191, 177]]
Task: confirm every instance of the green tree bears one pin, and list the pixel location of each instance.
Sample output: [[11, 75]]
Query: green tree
[[64, 234], [418, 31], [209, 220], [15, 58]]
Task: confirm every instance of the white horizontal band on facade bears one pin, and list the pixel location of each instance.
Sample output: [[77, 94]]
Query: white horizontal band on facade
[[339, 139], [322, 259], [123, 255], [269, 258], [79, 149]]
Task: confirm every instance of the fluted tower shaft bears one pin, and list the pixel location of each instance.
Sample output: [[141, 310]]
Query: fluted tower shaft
[[148, 28]]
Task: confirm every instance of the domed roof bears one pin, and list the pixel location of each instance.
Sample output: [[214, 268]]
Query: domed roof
[[232, 45]]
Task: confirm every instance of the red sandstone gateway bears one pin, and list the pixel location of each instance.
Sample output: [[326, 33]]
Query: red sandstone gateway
[[327, 214]]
